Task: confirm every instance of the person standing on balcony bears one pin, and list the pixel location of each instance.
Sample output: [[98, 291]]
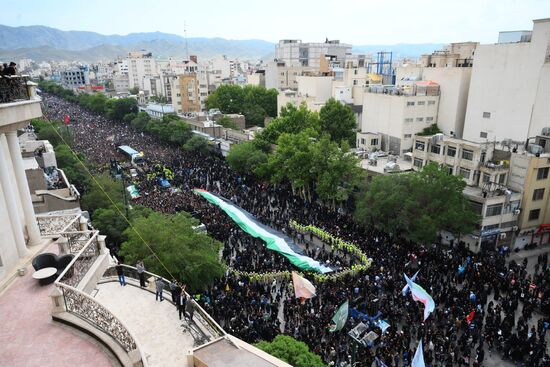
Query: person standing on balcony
[[141, 271], [173, 290], [180, 303], [120, 272], [159, 284], [10, 70]]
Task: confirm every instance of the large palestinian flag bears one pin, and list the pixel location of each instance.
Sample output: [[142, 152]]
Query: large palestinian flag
[[274, 240]]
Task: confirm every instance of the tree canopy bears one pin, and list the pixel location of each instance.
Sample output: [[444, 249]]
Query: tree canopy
[[338, 120], [291, 351], [191, 257], [417, 205], [254, 102], [246, 157]]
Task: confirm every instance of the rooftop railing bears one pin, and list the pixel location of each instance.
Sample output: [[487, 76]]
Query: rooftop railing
[[13, 88]]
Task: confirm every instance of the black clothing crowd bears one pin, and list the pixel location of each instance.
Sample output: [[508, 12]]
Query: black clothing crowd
[[510, 304]]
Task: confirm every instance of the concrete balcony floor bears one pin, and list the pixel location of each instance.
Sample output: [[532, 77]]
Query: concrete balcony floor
[[29, 337], [154, 324]]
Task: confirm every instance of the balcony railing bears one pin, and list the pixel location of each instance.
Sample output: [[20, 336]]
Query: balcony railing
[[131, 272], [82, 262], [13, 88]]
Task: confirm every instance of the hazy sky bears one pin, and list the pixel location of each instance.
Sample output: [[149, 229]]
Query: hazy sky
[[352, 21]]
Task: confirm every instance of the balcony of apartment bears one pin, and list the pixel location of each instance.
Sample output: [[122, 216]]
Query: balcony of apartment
[[18, 102], [494, 167], [91, 320]]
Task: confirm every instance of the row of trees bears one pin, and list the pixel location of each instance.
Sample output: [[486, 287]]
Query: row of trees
[[254, 102]]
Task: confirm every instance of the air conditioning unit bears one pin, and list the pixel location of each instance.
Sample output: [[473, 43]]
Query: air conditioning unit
[[502, 236], [517, 211]]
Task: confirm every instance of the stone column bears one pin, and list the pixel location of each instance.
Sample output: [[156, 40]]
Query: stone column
[[11, 203], [23, 187]]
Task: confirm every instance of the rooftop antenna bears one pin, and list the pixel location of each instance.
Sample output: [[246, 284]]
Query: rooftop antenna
[[186, 46]]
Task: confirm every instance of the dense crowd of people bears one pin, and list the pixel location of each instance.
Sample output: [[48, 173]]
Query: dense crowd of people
[[486, 304]]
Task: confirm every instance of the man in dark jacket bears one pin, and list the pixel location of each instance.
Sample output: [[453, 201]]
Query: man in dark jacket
[[10, 70], [181, 301]]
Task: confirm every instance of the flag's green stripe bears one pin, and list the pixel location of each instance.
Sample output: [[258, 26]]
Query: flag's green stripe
[[273, 242]]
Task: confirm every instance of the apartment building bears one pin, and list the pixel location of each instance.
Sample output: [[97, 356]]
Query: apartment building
[[282, 76], [313, 90], [510, 86], [140, 65], [529, 173], [297, 53], [185, 93], [485, 170], [399, 112], [75, 77]]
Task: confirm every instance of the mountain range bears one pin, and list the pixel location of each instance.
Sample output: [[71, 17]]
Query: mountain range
[[43, 43]]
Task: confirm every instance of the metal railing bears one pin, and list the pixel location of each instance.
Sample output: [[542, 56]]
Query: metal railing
[[76, 240], [48, 226], [13, 88], [87, 308], [82, 262], [131, 272]]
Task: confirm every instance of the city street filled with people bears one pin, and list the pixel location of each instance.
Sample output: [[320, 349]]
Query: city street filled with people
[[488, 306]]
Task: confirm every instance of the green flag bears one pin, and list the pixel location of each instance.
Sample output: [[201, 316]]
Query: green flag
[[340, 317]]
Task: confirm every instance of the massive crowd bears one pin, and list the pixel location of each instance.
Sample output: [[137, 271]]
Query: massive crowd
[[509, 303]]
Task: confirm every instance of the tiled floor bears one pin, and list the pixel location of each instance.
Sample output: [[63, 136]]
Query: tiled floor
[[29, 337]]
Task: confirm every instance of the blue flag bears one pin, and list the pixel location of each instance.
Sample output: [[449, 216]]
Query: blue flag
[[418, 360]]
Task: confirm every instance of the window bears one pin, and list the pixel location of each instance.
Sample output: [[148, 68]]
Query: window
[[464, 172], [409, 120], [486, 178], [493, 210], [418, 162], [542, 173], [374, 142], [419, 119], [509, 224], [436, 149], [483, 134], [501, 178], [477, 207], [410, 104], [421, 103], [451, 151], [534, 214], [419, 145], [408, 136], [486, 115], [354, 81], [450, 170], [431, 103], [538, 194], [363, 141], [429, 119], [467, 154]]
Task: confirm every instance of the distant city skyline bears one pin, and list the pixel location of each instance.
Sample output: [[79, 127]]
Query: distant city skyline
[[351, 21]]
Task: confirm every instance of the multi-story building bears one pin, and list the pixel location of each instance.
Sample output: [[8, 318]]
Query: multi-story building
[[486, 171], [399, 112], [313, 90], [185, 93], [75, 77], [296, 53], [510, 87], [140, 65], [529, 173], [282, 76]]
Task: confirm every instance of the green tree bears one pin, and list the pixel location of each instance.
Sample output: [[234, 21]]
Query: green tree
[[417, 205], [338, 120], [55, 132], [291, 351], [246, 157], [111, 222], [292, 120], [117, 108], [430, 130], [133, 91], [140, 121], [191, 257], [196, 144], [71, 166], [98, 196]]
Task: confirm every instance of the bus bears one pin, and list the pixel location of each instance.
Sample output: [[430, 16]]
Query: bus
[[135, 158]]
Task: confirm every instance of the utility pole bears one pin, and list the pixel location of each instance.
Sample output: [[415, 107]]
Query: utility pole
[[186, 45]]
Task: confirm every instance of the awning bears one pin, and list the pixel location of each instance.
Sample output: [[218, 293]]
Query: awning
[[543, 228]]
